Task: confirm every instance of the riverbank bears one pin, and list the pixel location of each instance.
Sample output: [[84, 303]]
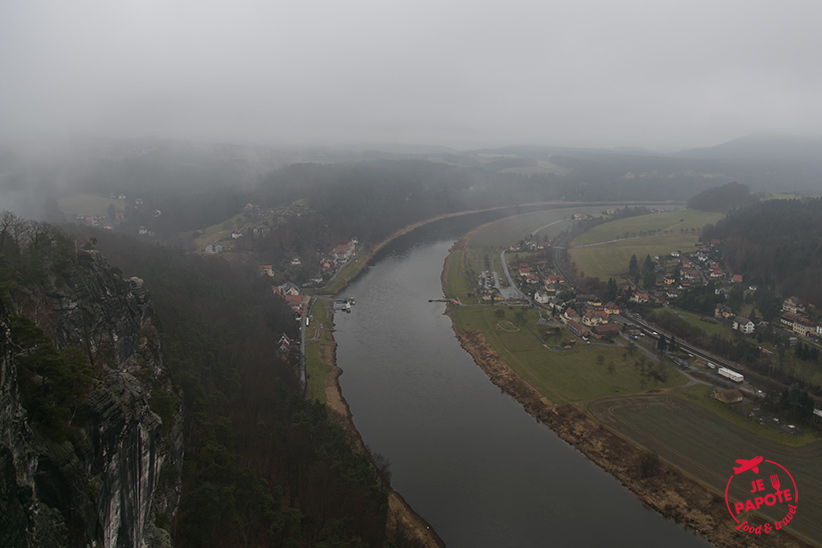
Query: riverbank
[[403, 522], [347, 275], [658, 484]]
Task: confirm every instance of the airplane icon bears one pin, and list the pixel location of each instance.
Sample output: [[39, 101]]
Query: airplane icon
[[745, 465]]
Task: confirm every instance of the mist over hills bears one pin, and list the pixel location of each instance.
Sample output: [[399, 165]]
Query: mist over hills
[[183, 177], [762, 149]]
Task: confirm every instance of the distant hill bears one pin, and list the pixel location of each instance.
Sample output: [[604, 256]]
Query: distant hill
[[776, 243], [762, 149], [722, 198]]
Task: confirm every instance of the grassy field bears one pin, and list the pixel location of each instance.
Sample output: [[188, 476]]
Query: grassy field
[[88, 205], [318, 348], [344, 276], [563, 376], [611, 260], [684, 221], [701, 396], [674, 426], [546, 223], [458, 285], [222, 231], [712, 327]]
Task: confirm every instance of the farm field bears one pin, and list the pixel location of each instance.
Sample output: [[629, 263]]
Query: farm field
[[700, 395], [510, 230], [683, 221], [674, 427], [88, 205], [563, 376], [611, 260]]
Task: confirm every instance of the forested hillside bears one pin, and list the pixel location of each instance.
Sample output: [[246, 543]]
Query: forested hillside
[[262, 466], [722, 199], [776, 242]]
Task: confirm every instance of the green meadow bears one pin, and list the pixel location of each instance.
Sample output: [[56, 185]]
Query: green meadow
[[611, 260], [684, 221], [583, 373]]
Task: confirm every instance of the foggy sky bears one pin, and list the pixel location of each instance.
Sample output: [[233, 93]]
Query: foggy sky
[[655, 73]]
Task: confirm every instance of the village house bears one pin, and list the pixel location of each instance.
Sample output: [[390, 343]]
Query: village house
[[213, 247], [284, 345], [237, 234], [343, 252], [743, 324], [798, 324], [295, 302], [287, 289], [793, 305], [729, 396], [605, 330], [570, 315], [296, 261], [266, 270], [611, 309], [542, 296], [737, 279], [531, 278], [593, 317], [723, 311], [578, 329], [589, 300], [554, 279], [639, 298]]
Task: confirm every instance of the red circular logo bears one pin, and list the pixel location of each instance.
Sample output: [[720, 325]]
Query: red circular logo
[[758, 484]]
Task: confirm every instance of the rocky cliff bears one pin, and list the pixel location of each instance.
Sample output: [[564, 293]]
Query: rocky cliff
[[112, 478]]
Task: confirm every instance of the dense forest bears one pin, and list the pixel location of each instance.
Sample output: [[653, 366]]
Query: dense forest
[[723, 198], [775, 243], [262, 465]]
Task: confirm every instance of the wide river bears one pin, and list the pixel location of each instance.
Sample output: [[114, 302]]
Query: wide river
[[464, 455]]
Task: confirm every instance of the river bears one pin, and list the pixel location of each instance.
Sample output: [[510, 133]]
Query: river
[[464, 455]]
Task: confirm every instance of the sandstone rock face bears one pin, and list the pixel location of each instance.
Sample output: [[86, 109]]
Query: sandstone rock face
[[101, 488]]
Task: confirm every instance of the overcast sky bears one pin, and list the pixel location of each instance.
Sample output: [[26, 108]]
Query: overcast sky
[[461, 73]]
